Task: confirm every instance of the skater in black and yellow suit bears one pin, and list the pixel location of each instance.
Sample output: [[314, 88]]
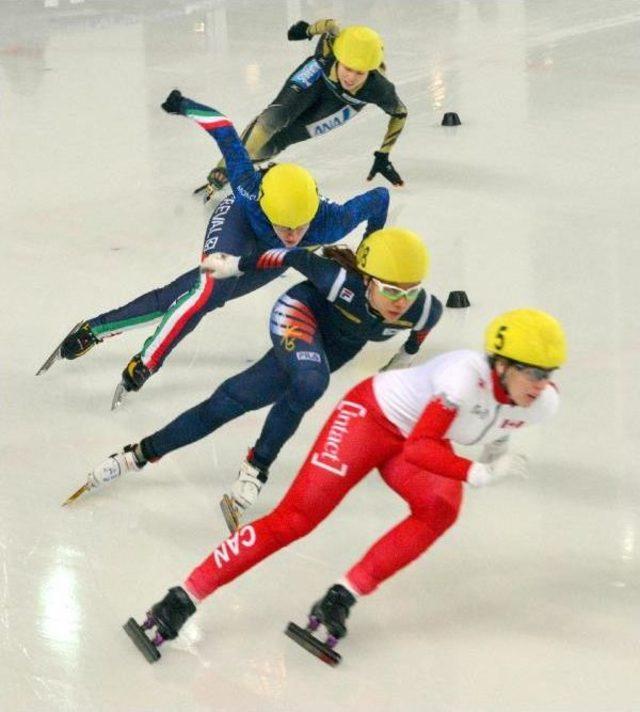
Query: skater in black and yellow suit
[[345, 73]]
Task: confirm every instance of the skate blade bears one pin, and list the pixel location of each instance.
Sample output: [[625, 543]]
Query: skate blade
[[76, 494], [141, 641], [118, 396], [231, 516], [312, 645], [56, 354]]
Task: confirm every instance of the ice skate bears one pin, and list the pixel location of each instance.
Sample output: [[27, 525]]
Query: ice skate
[[134, 376], [115, 465], [75, 344], [244, 493], [331, 611], [167, 616], [216, 180]]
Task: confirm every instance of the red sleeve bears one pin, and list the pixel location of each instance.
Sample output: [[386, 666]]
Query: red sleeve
[[427, 446]]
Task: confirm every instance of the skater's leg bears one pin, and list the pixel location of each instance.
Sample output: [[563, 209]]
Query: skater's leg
[[228, 231], [254, 388], [257, 149], [353, 441], [250, 390], [182, 317], [297, 344], [263, 137], [185, 314], [143, 310], [434, 501]]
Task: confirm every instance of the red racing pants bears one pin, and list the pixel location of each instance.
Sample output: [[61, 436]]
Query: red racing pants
[[355, 439]]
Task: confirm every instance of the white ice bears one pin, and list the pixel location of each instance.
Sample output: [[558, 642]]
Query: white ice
[[531, 601]]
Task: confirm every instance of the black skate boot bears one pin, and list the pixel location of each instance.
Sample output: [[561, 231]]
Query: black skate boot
[[79, 342], [134, 376], [331, 611], [168, 616], [216, 180], [75, 344]]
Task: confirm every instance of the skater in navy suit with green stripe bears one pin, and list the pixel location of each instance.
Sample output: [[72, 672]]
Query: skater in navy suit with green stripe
[[268, 209]]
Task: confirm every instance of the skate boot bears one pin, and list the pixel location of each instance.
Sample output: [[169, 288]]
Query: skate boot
[[79, 342], [216, 180], [75, 344], [115, 465], [168, 616], [134, 376], [244, 492], [331, 611]]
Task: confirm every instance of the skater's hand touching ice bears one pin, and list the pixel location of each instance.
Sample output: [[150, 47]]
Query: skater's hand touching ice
[[400, 360], [383, 165], [221, 265]]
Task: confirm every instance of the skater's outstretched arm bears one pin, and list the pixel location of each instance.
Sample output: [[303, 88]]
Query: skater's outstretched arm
[[372, 206], [322, 272], [380, 91], [239, 167]]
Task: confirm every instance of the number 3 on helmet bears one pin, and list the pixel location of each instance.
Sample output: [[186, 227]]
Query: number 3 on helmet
[[393, 254]]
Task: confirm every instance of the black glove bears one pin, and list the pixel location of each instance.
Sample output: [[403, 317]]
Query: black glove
[[172, 103], [383, 165], [298, 31]]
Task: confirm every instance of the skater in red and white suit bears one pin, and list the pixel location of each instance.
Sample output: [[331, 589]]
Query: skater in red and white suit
[[402, 423]]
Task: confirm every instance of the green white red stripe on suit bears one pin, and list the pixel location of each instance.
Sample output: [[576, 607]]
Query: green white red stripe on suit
[[208, 119]]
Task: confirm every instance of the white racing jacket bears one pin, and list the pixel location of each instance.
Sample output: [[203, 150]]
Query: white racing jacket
[[466, 405]]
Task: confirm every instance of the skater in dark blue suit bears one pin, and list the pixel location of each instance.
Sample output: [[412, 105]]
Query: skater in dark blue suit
[[316, 327], [267, 209]]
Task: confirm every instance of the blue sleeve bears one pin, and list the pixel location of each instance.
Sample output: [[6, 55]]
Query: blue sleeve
[[322, 272], [334, 221], [371, 206], [239, 167], [418, 335]]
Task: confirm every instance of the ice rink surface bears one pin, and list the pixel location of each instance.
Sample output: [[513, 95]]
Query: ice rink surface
[[531, 602]]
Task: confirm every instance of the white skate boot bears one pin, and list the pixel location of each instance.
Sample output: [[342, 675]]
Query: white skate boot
[[107, 471], [244, 493]]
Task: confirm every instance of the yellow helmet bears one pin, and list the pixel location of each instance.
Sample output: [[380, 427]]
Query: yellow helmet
[[359, 48], [393, 254], [288, 195], [528, 336]]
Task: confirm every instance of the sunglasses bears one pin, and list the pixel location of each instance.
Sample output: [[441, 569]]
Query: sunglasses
[[393, 293], [532, 373]]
